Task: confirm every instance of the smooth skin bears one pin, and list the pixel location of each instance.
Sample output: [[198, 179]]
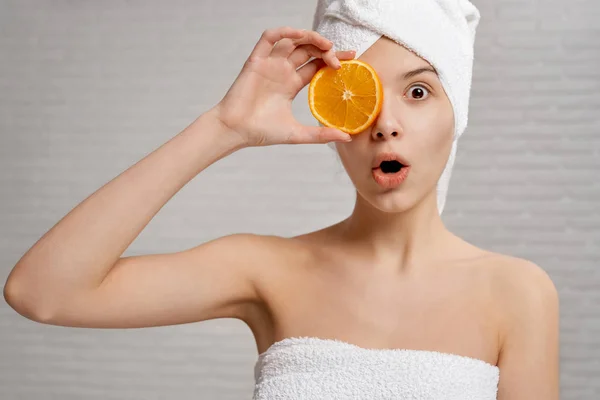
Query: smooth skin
[[389, 276]]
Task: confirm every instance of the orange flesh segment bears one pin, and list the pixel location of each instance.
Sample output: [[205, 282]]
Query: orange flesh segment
[[348, 99]]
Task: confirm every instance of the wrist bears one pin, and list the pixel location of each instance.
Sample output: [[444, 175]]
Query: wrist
[[211, 121]]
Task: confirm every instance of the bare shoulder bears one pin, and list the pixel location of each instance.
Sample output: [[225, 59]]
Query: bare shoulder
[[517, 279], [277, 264], [524, 292], [274, 257], [266, 245]]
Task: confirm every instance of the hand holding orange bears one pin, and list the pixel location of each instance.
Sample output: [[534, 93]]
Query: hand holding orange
[[257, 108], [348, 99]]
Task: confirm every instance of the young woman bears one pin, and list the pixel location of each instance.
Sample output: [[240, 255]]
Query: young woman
[[387, 303]]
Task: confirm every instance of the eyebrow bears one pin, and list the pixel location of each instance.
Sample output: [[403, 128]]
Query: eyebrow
[[418, 71]]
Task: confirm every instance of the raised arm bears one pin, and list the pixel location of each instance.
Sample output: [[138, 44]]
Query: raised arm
[[75, 275]]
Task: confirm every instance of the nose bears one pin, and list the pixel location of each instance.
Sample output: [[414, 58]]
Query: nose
[[384, 134], [386, 126]]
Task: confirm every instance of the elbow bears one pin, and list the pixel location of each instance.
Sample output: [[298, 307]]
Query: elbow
[[26, 301]]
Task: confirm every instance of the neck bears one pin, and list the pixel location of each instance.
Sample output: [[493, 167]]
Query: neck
[[402, 240]]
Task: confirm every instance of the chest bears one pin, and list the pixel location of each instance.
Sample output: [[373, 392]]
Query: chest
[[447, 311]]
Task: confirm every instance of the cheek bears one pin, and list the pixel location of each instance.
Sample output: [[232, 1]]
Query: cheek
[[434, 132], [356, 164], [349, 159], [434, 140]]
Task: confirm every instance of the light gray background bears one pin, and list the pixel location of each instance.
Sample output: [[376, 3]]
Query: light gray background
[[87, 88]]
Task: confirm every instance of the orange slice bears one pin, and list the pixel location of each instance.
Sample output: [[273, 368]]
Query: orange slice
[[348, 99]]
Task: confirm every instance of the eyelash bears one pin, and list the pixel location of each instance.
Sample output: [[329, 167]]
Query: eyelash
[[423, 86]]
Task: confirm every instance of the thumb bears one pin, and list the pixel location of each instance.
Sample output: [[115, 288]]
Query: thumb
[[323, 134]]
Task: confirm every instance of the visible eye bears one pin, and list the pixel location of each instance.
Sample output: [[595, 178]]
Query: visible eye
[[419, 92]]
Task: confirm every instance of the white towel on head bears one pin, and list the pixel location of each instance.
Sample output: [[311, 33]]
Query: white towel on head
[[442, 32]]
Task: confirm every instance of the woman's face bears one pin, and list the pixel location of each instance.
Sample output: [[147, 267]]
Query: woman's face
[[416, 121]]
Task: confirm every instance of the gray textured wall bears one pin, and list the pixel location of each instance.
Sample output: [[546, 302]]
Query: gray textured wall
[[87, 88]]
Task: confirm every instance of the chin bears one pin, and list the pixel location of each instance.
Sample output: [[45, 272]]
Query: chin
[[390, 201]]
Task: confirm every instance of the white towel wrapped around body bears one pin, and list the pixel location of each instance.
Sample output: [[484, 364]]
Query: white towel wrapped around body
[[310, 368]]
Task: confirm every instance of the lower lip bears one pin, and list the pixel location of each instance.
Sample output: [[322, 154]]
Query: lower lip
[[390, 181]]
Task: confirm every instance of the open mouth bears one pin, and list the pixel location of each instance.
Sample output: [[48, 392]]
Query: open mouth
[[390, 167], [390, 174]]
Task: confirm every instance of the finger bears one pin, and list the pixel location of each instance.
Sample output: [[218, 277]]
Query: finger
[[304, 53], [318, 134], [308, 38], [271, 36], [314, 38], [309, 70], [346, 54], [283, 48], [300, 134]]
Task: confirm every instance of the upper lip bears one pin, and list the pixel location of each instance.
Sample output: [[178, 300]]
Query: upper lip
[[388, 156]]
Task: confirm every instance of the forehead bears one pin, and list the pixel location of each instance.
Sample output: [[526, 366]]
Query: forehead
[[391, 59]]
